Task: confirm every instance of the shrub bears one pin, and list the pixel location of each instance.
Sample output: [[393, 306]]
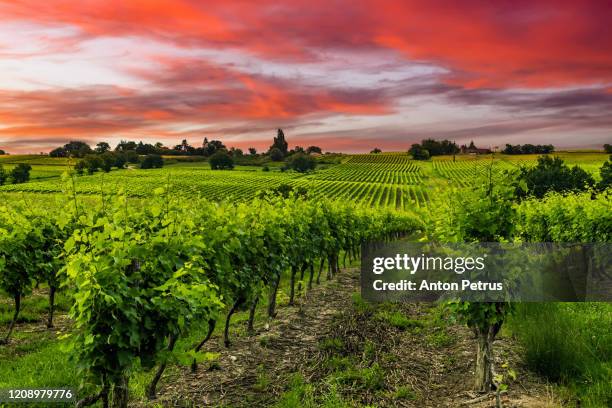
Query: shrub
[[152, 161], [552, 175], [21, 173], [221, 160], [606, 175], [276, 154], [302, 163], [3, 175], [418, 152]]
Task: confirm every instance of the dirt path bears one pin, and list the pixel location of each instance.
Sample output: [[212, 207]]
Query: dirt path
[[426, 362]]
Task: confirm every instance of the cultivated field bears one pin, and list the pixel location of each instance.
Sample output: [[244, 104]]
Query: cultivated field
[[382, 180], [184, 286]]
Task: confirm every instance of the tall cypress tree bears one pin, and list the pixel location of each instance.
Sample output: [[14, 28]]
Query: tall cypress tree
[[280, 143]]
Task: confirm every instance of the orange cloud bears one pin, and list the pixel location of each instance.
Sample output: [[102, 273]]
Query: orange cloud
[[489, 53]]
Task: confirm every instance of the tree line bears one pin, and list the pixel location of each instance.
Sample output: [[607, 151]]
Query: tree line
[[103, 157], [528, 149]]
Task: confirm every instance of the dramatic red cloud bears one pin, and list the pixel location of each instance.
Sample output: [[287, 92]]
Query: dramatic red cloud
[[483, 43], [485, 52]]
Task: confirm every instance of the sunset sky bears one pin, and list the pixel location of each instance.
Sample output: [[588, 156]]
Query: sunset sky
[[344, 75]]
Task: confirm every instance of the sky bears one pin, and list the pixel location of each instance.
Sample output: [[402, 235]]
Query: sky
[[346, 75]]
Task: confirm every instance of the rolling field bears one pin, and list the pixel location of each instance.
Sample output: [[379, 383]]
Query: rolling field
[[390, 180]]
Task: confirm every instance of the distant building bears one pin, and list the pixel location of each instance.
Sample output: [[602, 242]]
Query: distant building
[[472, 149]]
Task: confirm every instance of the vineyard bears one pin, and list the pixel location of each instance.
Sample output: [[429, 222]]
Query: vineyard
[[186, 286], [386, 180]]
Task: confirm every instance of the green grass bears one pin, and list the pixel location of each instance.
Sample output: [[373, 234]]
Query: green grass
[[570, 344], [404, 393], [398, 320], [34, 308]]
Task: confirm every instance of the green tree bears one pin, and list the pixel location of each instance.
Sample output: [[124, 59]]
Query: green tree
[[152, 161], [58, 152], [276, 154], [21, 173], [76, 148], [92, 163], [2, 152], [607, 148], [3, 175], [102, 147], [313, 149], [108, 161], [210, 148], [80, 167], [280, 143], [221, 160], [376, 150], [120, 160], [302, 163], [605, 173], [436, 148], [124, 146], [131, 157], [552, 174], [418, 152]]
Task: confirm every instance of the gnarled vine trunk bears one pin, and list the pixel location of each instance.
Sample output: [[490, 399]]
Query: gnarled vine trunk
[[17, 299], [272, 299], [292, 293], [252, 310], [311, 275], [212, 323], [484, 357], [152, 388], [121, 393], [320, 270], [52, 290], [235, 306]]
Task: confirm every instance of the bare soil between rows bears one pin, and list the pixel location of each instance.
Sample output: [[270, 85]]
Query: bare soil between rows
[[256, 370]]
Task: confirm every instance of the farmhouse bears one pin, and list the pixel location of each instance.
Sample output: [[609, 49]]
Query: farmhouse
[[472, 149]]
